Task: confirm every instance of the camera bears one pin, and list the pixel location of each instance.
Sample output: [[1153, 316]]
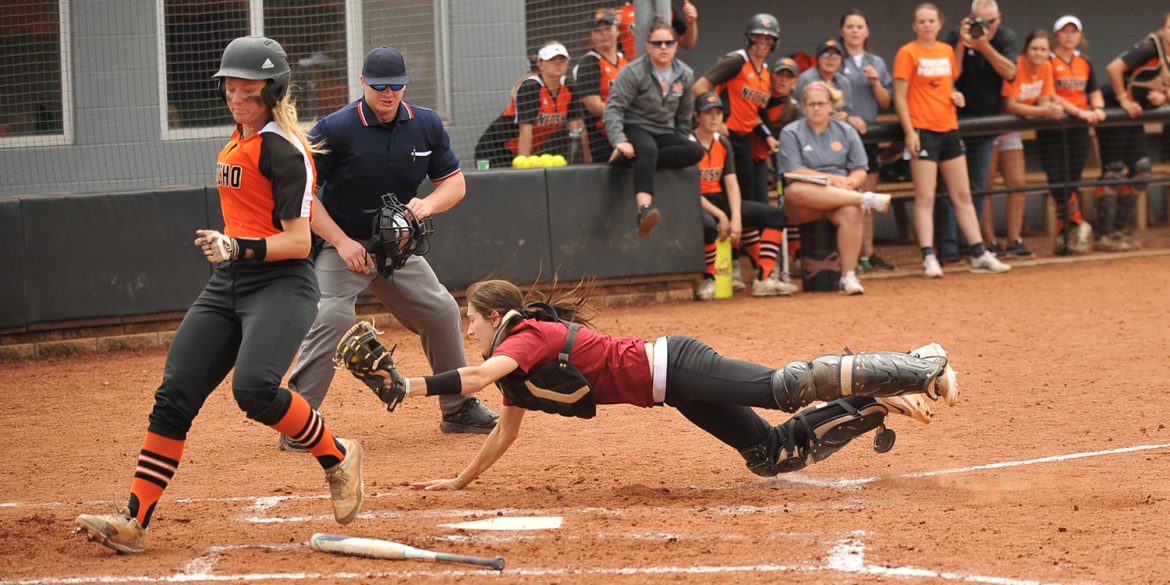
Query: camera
[[976, 27]]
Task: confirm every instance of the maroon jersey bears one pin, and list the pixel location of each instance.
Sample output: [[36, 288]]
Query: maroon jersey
[[617, 368]]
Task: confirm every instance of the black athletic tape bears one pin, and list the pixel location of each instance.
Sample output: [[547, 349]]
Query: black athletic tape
[[252, 248], [444, 384]]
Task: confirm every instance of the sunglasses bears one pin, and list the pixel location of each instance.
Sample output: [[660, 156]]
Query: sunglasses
[[383, 86], [661, 44]]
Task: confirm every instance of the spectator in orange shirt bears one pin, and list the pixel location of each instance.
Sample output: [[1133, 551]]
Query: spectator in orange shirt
[[1029, 94], [926, 102]]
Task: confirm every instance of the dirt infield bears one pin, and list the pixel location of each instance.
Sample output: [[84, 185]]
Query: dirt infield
[[1054, 467]]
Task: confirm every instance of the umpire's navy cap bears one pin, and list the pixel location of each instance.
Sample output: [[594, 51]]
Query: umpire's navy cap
[[384, 65]]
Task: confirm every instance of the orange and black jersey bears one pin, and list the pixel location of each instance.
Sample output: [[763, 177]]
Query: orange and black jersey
[[262, 180], [547, 111], [717, 162], [1074, 79], [593, 75], [1143, 64], [745, 90]]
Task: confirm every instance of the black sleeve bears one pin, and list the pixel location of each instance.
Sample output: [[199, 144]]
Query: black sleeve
[[1009, 46], [576, 105], [284, 166], [724, 69], [528, 102], [587, 77], [1142, 51], [729, 160], [677, 19], [1091, 83]]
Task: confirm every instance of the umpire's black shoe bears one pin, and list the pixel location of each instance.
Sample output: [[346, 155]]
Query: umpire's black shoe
[[473, 417]]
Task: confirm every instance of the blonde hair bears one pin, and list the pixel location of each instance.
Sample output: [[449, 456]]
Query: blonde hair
[[836, 96], [284, 113]]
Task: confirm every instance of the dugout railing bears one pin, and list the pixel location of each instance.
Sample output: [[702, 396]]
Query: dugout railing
[[889, 135]]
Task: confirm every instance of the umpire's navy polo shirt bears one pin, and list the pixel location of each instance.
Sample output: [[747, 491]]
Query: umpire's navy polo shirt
[[366, 159]]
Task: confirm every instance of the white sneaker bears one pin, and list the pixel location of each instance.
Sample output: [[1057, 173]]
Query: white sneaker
[[849, 285], [767, 287], [988, 264], [931, 267], [1082, 239], [946, 385], [737, 283], [879, 202], [911, 405], [345, 483], [705, 290]]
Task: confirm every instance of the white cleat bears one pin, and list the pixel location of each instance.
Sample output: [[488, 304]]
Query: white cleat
[[946, 385], [911, 405], [931, 268]]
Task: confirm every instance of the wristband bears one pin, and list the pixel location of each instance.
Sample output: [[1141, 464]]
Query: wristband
[[250, 248], [444, 384]]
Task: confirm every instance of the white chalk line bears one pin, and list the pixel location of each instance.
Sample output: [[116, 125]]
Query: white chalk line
[[854, 483], [846, 556], [261, 503]]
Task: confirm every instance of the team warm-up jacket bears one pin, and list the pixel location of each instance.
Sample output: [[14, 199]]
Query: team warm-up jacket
[[636, 98]]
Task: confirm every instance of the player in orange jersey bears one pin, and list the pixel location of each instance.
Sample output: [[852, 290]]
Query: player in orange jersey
[[257, 306]]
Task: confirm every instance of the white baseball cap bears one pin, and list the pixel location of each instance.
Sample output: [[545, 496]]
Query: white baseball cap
[[551, 50], [1067, 20]]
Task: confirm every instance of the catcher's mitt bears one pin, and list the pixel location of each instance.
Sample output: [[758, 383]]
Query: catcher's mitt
[[360, 352]]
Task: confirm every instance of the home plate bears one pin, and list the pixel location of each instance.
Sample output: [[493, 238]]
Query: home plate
[[514, 523]]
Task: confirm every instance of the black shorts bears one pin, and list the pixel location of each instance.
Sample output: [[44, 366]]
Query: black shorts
[[940, 146], [871, 153]]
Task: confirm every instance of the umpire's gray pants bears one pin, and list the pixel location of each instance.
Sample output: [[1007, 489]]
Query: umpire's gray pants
[[412, 294]]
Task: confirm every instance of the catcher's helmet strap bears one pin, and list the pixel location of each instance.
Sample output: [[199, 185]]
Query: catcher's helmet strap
[[510, 318]]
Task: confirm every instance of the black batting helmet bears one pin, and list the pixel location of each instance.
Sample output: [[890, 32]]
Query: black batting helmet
[[761, 24], [256, 58]]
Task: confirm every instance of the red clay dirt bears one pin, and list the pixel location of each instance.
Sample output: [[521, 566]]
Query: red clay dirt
[[1054, 361]]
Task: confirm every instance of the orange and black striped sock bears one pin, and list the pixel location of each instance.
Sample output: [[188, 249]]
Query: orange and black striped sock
[[749, 244], [305, 426], [769, 250], [709, 254], [157, 462]]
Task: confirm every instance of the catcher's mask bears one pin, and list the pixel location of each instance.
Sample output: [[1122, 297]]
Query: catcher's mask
[[398, 234]]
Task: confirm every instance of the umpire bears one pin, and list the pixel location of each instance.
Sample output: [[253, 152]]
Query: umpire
[[382, 144]]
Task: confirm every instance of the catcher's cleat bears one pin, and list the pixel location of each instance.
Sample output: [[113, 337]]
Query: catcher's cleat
[[345, 483], [945, 386], [120, 531], [911, 405]]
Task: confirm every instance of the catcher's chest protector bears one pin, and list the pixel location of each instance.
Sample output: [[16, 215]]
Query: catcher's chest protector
[[557, 387]]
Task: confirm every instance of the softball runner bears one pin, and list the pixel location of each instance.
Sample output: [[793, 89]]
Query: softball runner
[[256, 308]]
